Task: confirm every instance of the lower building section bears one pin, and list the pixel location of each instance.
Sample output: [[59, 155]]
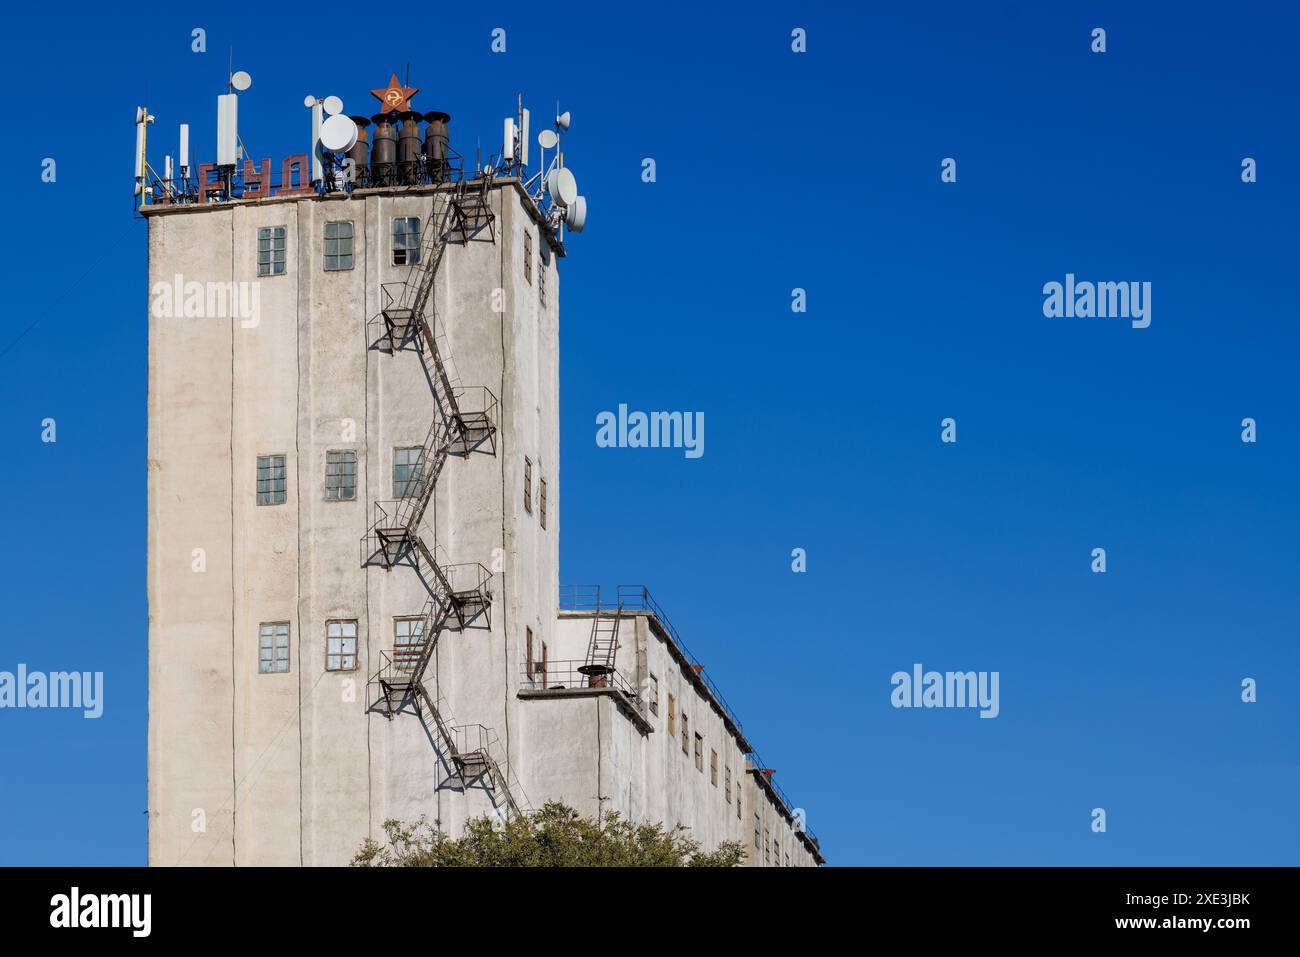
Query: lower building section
[[607, 712]]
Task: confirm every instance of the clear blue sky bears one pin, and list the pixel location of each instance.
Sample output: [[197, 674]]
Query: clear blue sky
[[776, 171]]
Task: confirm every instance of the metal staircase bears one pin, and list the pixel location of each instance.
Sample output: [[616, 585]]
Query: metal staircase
[[459, 594]]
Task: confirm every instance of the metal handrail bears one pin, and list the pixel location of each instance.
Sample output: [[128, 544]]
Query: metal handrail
[[567, 675]]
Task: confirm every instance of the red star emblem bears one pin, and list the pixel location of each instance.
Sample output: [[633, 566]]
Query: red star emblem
[[395, 97]]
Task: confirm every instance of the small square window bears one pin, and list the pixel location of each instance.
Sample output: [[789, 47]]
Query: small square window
[[271, 482], [408, 466], [270, 251], [273, 647], [340, 645], [338, 246], [406, 241], [341, 476]]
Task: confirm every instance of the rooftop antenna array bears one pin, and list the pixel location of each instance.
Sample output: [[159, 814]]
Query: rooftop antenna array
[[333, 134], [553, 188], [347, 152]]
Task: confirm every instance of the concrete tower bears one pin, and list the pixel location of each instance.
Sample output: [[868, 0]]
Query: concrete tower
[[298, 407]]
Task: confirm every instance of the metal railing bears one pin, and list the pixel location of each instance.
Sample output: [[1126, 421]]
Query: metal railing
[[638, 598], [565, 675]]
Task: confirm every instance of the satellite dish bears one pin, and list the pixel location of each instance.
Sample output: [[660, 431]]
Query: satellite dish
[[563, 120], [333, 105], [241, 81], [562, 187], [575, 217], [338, 134], [310, 101], [547, 139]]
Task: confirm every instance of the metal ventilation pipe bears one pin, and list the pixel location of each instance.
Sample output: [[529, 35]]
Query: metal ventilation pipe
[[408, 147], [360, 152], [383, 151], [437, 144]]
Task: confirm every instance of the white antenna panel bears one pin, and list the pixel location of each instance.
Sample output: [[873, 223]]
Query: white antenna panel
[[508, 138], [523, 141], [169, 173], [227, 128], [139, 147], [185, 147]]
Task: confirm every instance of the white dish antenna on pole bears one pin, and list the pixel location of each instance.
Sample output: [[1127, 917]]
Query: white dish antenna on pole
[[547, 139], [333, 105], [563, 120], [338, 134], [562, 187], [241, 81], [575, 217]]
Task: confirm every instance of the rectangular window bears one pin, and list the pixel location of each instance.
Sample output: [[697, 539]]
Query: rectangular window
[[756, 829], [686, 734], [738, 800], [528, 485], [270, 480], [787, 858], [767, 848], [654, 694], [713, 768], [407, 467], [273, 647], [408, 636], [726, 787], [699, 754], [340, 476], [270, 251], [672, 714], [541, 502], [528, 257], [340, 646], [338, 246], [406, 241], [544, 659], [541, 282], [529, 670]]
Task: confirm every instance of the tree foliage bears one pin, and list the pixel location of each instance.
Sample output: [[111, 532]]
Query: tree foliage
[[555, 836]]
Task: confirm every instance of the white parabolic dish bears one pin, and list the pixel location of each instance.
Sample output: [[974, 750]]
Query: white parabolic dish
[[338, 134], [562, 187]]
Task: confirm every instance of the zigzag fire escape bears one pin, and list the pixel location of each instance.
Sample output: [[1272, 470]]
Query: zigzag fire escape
[[461, 594]]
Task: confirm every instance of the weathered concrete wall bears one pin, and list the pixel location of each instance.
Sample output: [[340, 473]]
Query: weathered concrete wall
[[647, 775], [292, 767]]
